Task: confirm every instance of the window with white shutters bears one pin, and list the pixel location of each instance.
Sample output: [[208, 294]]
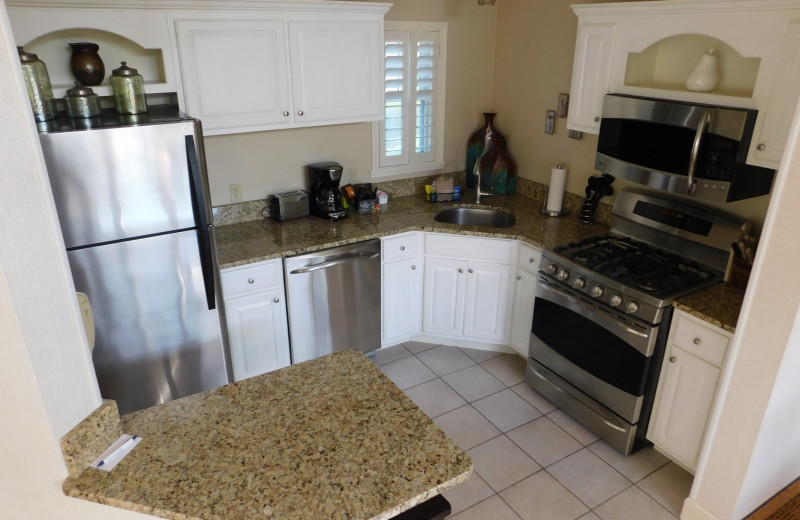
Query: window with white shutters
[[410, 137]]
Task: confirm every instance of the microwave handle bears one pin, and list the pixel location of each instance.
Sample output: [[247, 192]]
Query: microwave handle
[[698, 137]]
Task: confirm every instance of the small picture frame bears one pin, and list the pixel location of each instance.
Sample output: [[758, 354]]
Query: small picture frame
[[550, 122], [563, 105]]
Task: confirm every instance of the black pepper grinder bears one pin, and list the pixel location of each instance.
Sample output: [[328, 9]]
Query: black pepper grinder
[[597, 188]]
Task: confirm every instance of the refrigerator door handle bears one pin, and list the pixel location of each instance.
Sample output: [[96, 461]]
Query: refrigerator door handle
[[204, 239], [197, 182]]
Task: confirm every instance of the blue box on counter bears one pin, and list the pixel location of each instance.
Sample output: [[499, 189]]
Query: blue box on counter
[[365, 207]]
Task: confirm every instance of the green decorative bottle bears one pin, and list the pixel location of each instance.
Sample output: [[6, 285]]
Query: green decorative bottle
[[497, 168], [477, 145], [37, 81]]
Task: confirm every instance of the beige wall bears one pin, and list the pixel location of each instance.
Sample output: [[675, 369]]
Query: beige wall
[[267, 162]]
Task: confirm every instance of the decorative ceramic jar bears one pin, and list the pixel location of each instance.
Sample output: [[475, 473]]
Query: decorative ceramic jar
[[497, 168], [477, 144], [705, 75], [82, 102], [85, 63], [128, 88], [37, 81]]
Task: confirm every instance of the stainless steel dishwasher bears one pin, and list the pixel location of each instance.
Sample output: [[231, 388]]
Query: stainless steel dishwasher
[[334, 300]]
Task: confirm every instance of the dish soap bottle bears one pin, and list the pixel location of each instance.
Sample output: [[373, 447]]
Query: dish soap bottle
[[128, 88]]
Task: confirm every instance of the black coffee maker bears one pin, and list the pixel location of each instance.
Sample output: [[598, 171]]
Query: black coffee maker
[[326, 199]]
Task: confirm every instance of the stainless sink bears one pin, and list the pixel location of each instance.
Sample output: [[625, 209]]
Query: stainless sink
[[476, 217]]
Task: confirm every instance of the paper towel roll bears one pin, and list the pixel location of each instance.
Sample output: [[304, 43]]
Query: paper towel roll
[[555, 195]]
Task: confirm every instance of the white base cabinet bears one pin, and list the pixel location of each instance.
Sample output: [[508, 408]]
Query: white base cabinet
[[401, 288], [687, 388], [466, 290], [528, 260], [256, 316]]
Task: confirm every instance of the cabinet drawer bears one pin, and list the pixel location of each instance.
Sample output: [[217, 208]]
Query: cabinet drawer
[[474, 248], [528, 258], [703, 342], [399, 247], [238, 281]]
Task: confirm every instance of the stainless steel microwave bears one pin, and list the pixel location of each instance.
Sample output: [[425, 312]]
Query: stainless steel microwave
[[684, 148]]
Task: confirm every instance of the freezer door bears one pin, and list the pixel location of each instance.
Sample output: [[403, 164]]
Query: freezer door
[[156, 339], [119, 183]]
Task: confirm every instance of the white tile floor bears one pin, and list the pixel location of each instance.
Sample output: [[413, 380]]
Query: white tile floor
[[531, 460]]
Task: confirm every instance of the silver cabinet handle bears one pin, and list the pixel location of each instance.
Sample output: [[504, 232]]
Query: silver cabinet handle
[[339, 261], [402, 248], [251, 281], [697, 341], [673, 359], [413, 267], [471, 271], [276, 300], [460, 270], [698, 137], [761, 147], [299, 112]]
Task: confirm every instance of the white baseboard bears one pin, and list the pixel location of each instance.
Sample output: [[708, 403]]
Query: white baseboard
[[694, 511]]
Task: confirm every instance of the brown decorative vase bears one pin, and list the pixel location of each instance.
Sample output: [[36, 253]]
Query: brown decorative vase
[[478, 143], [86, 65], [497, 168]]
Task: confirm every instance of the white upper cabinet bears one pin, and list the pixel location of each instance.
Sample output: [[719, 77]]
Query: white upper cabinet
[[649, 48]]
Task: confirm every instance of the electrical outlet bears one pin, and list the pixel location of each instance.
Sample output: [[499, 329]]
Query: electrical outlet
[[236, 192], [352, 174]]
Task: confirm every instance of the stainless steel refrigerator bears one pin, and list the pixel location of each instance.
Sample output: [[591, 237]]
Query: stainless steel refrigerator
[[132, 199]]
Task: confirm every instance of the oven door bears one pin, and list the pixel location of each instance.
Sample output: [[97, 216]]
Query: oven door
[[602, 353]]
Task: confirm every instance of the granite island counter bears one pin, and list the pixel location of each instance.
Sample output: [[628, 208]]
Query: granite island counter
[[331, 438]]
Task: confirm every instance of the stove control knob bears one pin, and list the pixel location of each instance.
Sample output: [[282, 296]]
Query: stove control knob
[[598, 291], [579, 283], [616, 300], [563, 275], [552, 269], [633, 307]]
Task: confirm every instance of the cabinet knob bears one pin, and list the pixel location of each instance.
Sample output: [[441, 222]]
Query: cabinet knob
[[697, 341], [402, 248], [597, 119], [673, 359], [276, 300], [761, 147], [460, 270], [531, 260], [413, 267], [519, 277], [285, 113], [299, 112], [471, 271], [251, 281]]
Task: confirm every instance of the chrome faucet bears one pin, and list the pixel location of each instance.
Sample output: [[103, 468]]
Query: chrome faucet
[[477, 174]]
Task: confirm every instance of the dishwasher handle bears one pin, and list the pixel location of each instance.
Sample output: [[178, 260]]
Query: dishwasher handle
[[354, 257]]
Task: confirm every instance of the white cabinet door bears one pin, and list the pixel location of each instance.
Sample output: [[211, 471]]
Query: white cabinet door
[[683, 403], [235, 73], [337, 70], [443, 305], [774, 121], [401, 300], [259, 334], [522, 317], [486, 302], [591, 76]]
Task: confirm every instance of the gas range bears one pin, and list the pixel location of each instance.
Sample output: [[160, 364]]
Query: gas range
[[626, 274], [625, 271]]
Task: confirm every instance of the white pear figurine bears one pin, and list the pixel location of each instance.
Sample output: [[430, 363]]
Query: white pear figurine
[[704, 76]]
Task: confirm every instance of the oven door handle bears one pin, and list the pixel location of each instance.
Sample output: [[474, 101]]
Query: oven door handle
[[608, 420], [698, 137], [555, 295]]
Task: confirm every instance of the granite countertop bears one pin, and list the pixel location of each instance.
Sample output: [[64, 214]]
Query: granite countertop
[[258, 240], [718, 305], [329, 438]]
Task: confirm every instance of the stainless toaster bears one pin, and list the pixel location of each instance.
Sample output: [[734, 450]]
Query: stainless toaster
[[288, 205]]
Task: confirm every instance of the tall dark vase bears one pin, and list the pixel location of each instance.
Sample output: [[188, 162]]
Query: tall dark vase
[[497, 168], [86, 65], [478, 143]]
